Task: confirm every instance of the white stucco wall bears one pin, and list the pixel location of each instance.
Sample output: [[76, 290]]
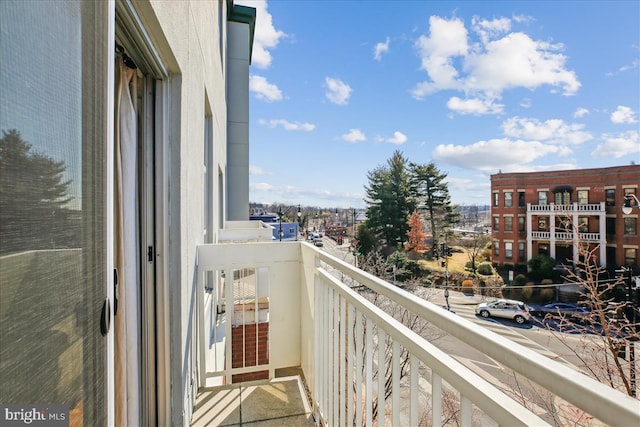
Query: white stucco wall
[[188, 38]]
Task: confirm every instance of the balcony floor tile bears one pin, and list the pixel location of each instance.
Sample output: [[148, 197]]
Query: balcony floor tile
[[278, 402]]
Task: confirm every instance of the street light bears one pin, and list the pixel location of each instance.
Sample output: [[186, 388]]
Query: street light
[[627, 207], [354, 223]]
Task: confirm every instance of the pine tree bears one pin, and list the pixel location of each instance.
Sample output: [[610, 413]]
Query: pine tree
[[33, 198], [389, 201], [431, 192]]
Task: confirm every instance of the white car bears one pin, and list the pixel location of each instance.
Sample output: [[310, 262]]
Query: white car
[[506, 309]]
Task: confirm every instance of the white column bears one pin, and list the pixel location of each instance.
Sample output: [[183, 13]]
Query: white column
[[529, 227], [552, 232], [575, 233], [238, 51], [602, 219]]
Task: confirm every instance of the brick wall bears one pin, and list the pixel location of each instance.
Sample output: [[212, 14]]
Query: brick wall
[[249, 349]]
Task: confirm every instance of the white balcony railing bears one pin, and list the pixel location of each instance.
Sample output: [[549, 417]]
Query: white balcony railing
[[572, 207], [359, 361], [564, 236], [245, 231]]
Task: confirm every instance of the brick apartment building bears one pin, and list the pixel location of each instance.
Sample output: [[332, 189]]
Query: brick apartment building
[[554, 212]]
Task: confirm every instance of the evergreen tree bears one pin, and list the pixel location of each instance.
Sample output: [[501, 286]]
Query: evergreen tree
[[33, 198], [389, 201], [431, 192]]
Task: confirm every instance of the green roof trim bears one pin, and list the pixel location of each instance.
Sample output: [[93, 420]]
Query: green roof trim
[[243, 15]]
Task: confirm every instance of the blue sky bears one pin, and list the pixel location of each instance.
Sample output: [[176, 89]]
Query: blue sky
[[477, 87]]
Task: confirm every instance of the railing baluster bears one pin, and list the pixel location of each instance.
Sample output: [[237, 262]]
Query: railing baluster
[[350, 353], [318, 349], [343, 355], [414, 390], [395, 397], [368, 396], [466, 410], [335, 301], [436, 400], [359, 366], [382, 368]]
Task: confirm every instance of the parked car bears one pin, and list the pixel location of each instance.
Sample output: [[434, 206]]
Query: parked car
[[317, 241], [561, 309], [506, 309]]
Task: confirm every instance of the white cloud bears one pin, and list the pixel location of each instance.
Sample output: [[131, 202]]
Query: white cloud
[[474, 106], [492, 65], [261, 186], [264, 90], [338, 92], [488, 30], [580, 112], [555, 130], [256, 170], [619, 145], [287, 125], [398, 138], [447, 39], [623, 115], [379, 49], [265, 37], [354, 135], [496, 154]]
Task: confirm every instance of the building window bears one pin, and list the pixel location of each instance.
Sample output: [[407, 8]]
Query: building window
[[521, 202], [583, 197], [508, 199], [542, 224], [631, 256], [630, 228], [543, 249], [496, 248], [508, 223], [542, 197], [610, 197], [562, 198], [611, 227], [521, 251], [583, 224], [496, 223], [496, 199], [521, 224], [508, 250]]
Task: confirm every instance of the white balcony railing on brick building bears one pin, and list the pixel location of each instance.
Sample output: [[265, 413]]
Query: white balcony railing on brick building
[[572, 207], [351, 351], [564, 236]]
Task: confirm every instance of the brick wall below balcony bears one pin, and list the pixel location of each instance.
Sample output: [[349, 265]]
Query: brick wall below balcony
[[255, 350]]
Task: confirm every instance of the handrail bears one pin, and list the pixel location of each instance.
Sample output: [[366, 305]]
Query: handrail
[[500, 407], [606, 404]]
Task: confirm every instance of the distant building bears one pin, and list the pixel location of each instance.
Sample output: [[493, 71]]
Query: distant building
[[553, 212]]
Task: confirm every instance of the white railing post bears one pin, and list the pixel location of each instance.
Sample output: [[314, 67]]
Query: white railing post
[[436, 399], [359, 365], [382, 372], [344, 383], [395, 397], [414, 390], [368, 395]]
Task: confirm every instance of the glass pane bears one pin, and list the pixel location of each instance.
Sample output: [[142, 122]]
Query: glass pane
[[51, 218]]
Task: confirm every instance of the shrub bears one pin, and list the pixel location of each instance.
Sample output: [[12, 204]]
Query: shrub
[[519, 280], [485, 269]]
